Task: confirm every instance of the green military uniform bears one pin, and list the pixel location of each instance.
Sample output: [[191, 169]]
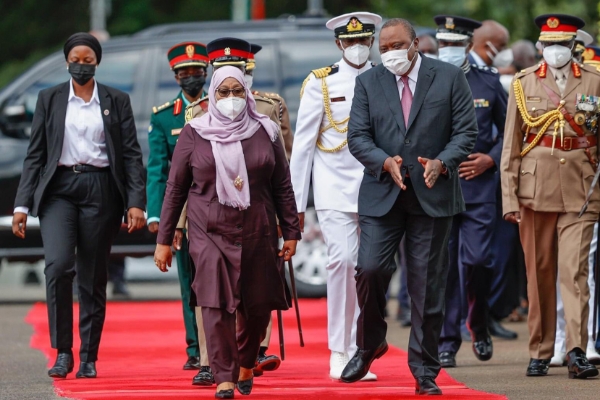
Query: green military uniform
[[165, 124]]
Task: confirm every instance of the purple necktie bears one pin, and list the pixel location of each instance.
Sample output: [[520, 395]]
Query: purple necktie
[[407, 99]]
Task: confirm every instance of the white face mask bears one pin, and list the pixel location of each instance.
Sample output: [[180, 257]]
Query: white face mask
[[454, 55], [231, 107], [249, 79], [396, 61], [429, 55], [356, 54], [557, 56]]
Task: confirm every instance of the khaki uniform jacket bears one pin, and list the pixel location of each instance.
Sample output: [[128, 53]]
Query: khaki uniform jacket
[[276, 110], [542, 181]]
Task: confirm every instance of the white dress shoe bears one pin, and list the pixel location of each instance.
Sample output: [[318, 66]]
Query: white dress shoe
[[369, 377], [558, 360], [337, 363], [592, 355]]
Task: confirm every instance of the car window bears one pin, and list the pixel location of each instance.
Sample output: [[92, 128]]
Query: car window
[[298, 59]]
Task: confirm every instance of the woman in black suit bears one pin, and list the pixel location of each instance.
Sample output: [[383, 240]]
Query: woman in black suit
[[83, 171]]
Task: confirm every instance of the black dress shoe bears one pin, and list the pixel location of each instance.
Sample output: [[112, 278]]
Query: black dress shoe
[[538, 367], [447, 359], [579, 366], [204, 377], [245, 387], [497, 330], [267, 363], [62, 366], [483, 348], [192, 363], [359, 365], [87, 370], [427, 386], [224, 394]]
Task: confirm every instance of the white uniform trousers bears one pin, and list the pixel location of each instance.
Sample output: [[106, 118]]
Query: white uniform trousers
[[341, 233], [559, 342]]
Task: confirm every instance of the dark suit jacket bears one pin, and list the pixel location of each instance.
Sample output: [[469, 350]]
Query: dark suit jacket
[[442, 124], [47, 135]]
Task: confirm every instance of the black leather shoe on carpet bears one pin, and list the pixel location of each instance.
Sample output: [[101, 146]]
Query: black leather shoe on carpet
[[204, 377], [447, 359], [192, 363], [359, 365], [427, 386], [62, 366], [87, 370]]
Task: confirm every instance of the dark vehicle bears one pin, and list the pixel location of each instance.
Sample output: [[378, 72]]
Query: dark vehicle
[[137, 64]]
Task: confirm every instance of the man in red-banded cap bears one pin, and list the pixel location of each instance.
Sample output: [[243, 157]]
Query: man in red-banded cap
[[188, 61], [549, 157]]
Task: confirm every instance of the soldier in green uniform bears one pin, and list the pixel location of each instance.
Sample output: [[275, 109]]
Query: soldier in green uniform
[[188, 61]]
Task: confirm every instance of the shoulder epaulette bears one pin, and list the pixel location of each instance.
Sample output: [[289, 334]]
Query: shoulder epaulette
[[258, 97], [530, 70], [485, 68], [326, 71], [590, 68], [158, 109]]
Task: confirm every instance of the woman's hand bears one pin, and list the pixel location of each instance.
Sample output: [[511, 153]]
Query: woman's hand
[[135, 219], [288, 250], [19, 224], [163, 256]]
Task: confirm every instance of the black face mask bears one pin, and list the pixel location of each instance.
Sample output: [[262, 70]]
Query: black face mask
[[82, 73], [192, 85]]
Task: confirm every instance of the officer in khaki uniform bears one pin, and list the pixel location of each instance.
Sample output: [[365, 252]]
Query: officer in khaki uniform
[[188, 61], [239, 53], [548, 161]]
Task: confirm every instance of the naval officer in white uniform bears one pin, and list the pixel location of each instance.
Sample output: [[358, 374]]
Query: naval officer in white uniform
[[321, 149]]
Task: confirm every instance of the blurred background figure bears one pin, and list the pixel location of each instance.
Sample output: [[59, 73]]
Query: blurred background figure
[[116, 276], [428, 46], [583, 40], [488, 41]]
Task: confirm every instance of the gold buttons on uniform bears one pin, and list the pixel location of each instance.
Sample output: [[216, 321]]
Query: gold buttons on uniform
[[562, 161], [523, 172]]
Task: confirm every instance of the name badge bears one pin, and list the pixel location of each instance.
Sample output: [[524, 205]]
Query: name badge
[[335, 99], [175, 132], [533, 99], [480, 103]]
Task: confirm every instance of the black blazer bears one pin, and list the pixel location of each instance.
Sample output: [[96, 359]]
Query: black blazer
[[47, 135], [442, 124]]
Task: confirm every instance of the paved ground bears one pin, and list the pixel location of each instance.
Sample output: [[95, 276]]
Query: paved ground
[[23, 370]]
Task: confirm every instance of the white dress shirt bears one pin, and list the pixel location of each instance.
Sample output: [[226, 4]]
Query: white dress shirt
[[478, 60], [336, 177], [84, 139], [412, 78]]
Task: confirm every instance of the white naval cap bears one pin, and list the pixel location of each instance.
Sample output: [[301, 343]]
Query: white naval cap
[[584, 37], [357, 24]]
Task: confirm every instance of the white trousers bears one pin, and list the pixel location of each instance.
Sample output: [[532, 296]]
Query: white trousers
[[341, 233], [560, 340]]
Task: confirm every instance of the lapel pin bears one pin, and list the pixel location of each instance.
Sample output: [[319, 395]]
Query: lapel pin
[[106, 112]]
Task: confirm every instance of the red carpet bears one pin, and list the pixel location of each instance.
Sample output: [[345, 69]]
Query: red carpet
[[142, 353]]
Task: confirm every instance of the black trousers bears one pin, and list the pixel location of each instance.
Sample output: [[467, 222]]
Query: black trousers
[[426, 252], [79, 219]]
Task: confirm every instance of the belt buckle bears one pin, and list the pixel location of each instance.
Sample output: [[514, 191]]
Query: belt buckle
[[74, 170], [565, 143]]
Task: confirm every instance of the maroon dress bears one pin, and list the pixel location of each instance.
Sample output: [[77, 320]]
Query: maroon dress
[[234, 252]]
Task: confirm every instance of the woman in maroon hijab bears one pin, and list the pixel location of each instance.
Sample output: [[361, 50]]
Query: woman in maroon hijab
[[231, 167]]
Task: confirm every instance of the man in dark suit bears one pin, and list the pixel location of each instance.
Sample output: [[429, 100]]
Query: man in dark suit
[[412, 123], [83, 171]]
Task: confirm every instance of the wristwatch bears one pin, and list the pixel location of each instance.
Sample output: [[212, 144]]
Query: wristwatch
[[444, 168]]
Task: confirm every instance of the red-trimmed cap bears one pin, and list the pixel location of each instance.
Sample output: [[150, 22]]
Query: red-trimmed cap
[[591, 55], [229, 51], [558, 27], [188, 54]]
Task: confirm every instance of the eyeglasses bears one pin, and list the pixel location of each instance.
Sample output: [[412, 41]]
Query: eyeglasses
[[237, 92]]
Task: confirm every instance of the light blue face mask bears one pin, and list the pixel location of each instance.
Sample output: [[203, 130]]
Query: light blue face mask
[[454, 55]]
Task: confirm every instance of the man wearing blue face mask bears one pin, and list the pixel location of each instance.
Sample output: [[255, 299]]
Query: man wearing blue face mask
[[320, 150], [472, 230]]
